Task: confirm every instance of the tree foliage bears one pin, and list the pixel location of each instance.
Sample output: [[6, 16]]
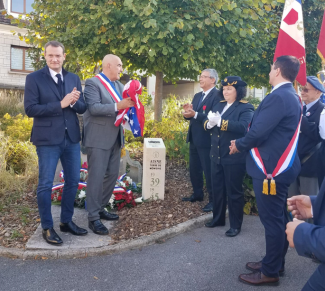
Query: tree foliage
[[174, 38], [178, 38]]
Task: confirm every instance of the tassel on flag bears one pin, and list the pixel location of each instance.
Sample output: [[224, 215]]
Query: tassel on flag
[[291, 39], [321, 41]]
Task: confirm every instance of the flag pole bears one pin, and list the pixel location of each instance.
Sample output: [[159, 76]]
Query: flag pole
[[296, 86]]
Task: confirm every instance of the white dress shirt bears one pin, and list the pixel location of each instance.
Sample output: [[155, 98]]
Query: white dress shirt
[[206, 93]]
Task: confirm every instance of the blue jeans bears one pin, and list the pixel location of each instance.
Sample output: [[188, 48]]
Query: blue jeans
[[48, 157]]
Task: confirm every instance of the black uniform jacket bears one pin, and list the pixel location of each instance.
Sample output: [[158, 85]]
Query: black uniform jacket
[[196, 134], [234, 124], [308, 138]]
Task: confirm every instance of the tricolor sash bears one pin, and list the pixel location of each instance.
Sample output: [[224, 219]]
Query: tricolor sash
[[285, 162], [107, 83]]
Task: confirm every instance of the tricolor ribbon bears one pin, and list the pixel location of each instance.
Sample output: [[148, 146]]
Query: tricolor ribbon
[[107, 83]]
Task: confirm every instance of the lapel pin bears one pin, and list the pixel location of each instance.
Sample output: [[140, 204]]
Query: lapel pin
[[308, 114]]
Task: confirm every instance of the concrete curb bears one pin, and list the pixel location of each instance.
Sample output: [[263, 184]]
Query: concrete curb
[[106, 250]]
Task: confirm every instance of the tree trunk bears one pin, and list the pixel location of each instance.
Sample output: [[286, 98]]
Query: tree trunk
[[158, 95]]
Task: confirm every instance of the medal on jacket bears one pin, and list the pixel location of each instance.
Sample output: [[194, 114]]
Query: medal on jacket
[[204, 107]]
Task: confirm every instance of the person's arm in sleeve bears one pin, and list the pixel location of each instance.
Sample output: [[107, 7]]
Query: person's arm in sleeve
[[93, 101], [241, 125], [32, 103], [270, 115], [309, 241], [322, 124], [80, 106]]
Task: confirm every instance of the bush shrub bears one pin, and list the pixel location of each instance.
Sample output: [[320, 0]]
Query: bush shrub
[[11, 102], [18, 127], [172, 128]]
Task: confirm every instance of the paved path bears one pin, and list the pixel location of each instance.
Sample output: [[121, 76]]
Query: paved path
[[200, 260]]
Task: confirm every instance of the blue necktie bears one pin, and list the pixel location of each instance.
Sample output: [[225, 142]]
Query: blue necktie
[[304, 110], [60, 84], [201, 99]]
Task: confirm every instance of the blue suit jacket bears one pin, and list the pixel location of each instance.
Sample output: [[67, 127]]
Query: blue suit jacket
[[308, 138], [196, 134], [42, 102], [273, 125], [309, 239]]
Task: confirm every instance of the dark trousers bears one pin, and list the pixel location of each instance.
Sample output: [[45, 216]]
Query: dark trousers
[[199, 163], [227, 182], [48, 157], [272, 212]]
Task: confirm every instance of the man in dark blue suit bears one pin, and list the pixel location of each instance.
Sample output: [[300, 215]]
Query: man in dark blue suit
[[199, 139], [309, 239], [309, 139], [274, 126], [53, 97]]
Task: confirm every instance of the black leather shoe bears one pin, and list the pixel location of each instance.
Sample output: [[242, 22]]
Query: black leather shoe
[[108, 216], [208, 207], [232, 232], [97, 227], [51, 237], [72, 228], [211, 224], [192, 199]]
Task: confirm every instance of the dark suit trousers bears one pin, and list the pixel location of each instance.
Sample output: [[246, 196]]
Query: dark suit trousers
[[272, 212], [199, 163], [227, 182], [103, 168]]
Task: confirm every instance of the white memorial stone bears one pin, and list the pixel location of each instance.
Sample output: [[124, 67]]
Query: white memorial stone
[[154, 160]]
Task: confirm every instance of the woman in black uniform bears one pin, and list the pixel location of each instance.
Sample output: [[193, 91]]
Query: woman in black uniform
[[228, 121]]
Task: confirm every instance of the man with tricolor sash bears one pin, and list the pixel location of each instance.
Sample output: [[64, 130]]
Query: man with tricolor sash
[[273, 164], [103, 140]]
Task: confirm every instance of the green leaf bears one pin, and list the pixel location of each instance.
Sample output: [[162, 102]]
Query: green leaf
[[187, 16], [190, 37]]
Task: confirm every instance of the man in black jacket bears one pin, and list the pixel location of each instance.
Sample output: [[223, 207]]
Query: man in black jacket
[[309, 139], [199, 139]]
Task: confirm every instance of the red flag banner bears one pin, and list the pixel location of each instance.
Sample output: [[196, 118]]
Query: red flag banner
[[291, 39], [321, 41]]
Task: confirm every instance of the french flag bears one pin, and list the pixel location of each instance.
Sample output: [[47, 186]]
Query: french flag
[[291, 39]]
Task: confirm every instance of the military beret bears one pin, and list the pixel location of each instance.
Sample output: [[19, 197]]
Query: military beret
[[233, 81], [312, 80]]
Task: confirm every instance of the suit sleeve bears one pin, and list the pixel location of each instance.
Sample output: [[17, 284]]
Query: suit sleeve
[[241, 125], [310, 129], [32, 101], [271, 113], [309, 241], [93, 101], [80, 106]]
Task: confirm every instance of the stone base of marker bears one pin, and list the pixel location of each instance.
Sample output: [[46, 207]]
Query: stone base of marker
[[154, 161]]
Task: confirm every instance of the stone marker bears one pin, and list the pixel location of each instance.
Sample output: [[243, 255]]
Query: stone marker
[[154, 160]]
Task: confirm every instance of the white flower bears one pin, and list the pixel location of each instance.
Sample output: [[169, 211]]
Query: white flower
[[128, 179], [82, 194], [122, 184]]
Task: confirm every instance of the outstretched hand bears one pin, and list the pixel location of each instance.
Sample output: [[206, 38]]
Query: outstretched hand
[[300, 206]]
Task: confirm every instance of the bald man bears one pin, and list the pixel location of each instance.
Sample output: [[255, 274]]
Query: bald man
[[103, 140]]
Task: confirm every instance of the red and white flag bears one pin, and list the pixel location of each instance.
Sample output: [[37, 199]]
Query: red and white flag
[[321, 41], [291, 39]]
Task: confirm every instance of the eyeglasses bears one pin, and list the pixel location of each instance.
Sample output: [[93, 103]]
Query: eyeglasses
[[204, 77], [304, 89]]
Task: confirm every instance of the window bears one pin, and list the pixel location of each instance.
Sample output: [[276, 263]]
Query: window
[[21, 6], [20, 61]]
